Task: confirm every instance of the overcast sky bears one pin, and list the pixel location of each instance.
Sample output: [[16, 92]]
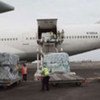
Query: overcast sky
[[67, 11]]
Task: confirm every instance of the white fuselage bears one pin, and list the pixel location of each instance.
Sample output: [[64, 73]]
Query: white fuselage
[[77, 39]]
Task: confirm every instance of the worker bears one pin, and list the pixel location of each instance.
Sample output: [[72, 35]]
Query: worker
[[45, 78], [24, 72]]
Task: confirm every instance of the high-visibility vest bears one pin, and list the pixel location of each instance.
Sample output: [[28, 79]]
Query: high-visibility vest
[[24, 70], [45, 72]]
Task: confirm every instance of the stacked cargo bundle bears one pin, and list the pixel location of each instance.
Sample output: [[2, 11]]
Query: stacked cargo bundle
[[8, 59], [8, 67], [57, 62]]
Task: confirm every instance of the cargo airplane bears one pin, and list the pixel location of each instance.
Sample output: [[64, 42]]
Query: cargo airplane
[[77, 39]]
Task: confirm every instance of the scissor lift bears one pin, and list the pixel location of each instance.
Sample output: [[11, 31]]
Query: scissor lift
[[53, 45]]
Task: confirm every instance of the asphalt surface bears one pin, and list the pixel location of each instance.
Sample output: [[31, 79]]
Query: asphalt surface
[[30, 90]]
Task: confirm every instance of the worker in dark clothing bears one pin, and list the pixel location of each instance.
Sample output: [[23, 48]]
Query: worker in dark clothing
[[45, 78]]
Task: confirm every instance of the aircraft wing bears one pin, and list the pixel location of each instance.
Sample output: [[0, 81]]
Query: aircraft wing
[[5, 7]]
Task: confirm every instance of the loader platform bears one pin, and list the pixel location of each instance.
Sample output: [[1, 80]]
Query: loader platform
[[59, 78]]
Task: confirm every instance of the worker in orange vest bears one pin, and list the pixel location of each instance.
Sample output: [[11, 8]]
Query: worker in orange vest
[[24, 72]]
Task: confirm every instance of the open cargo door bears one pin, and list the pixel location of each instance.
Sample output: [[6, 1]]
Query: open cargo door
[[46, 25]]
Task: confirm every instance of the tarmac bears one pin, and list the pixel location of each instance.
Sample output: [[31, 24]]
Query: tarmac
[[30, 90]]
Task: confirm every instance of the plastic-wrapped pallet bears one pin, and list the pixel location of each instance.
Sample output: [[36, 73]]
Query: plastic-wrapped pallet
[[8, 69], [7, 74], [46, 36], [8, 59], [57, 62]]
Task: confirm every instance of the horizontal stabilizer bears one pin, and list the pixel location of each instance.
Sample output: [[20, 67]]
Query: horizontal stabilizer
[[5, 7]]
